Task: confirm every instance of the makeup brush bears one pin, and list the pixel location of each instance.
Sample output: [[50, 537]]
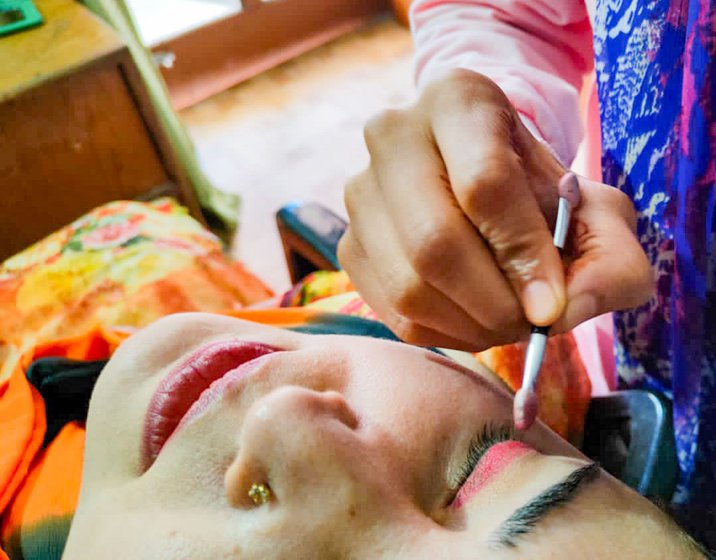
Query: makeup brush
[[525, 404]]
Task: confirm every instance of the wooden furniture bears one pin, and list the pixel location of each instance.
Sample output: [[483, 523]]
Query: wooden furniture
[[264, 34], [76, 127]]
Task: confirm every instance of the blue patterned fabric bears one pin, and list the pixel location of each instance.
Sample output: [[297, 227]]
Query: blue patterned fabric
[[657, 90]]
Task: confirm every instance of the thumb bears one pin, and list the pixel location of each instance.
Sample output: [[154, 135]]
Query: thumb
[[611, 271], [538, 279]]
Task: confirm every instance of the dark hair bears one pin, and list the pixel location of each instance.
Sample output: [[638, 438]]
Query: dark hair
[[695, 525]]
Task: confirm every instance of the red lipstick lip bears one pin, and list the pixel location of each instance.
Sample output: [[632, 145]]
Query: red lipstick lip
[[495, 461], [184, 384]]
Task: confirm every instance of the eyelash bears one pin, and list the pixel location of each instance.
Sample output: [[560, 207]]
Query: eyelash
[[490, 435]]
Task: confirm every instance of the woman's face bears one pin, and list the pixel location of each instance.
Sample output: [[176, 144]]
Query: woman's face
[[367, 447]]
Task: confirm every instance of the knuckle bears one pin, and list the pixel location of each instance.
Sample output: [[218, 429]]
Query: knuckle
[[406, 329], [350, 195], [439, 90], [346, 251], [432, 252], [462, 77], [479, 189], [407, 296], [623, 205], [380, 128], [460, 87], [406, 293], [479, 88], [433, 94], [353, 193]]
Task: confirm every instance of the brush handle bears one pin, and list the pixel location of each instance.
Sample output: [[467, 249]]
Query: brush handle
[[534, 357], [561, 226], [538, 338]]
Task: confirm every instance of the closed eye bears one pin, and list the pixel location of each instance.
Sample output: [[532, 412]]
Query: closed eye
[[491, 434]]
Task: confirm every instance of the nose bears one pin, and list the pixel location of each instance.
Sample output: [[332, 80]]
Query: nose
[[290, 440]]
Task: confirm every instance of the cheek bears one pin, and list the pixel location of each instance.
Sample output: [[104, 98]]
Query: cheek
[[199, 535]]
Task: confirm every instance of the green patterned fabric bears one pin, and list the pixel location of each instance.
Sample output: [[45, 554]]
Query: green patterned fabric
[[220, 209], [42, 541]]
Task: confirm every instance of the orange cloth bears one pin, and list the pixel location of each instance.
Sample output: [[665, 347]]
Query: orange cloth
[[122, 264], [22, 415], [563, 389]]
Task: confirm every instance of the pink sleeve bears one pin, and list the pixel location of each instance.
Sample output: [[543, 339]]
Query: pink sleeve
[[536, 50]]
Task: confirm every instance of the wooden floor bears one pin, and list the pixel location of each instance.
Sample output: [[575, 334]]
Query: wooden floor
[[296, 132]]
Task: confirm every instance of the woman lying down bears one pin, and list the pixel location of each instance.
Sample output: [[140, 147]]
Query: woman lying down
[[213, 437]]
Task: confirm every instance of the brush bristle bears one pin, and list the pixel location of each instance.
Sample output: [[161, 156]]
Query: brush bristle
[[525, 409]]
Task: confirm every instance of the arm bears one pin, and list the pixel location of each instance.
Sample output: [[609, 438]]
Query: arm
[[537, 51]]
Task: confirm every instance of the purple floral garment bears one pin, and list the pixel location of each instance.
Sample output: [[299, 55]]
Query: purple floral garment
[[657, 89]]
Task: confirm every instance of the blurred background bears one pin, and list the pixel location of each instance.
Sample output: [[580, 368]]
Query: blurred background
[[294, 130], [199, 99]]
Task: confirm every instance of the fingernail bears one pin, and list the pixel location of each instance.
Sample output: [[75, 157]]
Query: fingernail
[[568, 187], [540, 303]]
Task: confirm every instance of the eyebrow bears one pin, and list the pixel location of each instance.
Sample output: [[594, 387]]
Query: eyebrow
[[524, 518]]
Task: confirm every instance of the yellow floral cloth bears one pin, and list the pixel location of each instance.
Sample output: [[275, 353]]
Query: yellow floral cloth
[[124, 264]]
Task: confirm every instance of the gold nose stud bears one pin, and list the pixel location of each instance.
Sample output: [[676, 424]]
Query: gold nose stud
[[260, 494]]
